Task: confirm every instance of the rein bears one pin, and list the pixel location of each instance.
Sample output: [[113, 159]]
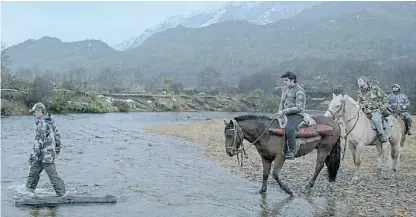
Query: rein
[[352, 128], [241, 150]]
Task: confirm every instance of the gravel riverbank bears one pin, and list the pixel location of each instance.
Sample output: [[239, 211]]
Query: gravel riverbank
[[372, 196]]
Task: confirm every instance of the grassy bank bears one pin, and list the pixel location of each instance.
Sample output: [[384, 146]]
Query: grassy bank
[[72, 102], [65, 101], [370, 197], [60, 101]]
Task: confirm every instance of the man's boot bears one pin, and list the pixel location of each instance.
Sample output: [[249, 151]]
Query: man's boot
[[31, 190], [382, 138], [408, 123], [409, 129], [379, 126], [290, 150]]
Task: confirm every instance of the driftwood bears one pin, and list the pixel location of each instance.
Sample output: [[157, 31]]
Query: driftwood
[[69, 199]]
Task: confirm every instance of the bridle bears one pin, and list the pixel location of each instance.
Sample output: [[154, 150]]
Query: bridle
[[338, 114], [238, 133]]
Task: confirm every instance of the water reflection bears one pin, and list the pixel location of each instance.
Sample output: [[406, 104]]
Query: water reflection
[[263, 206], [106, 165], [297, 206], [266, 211], [44, 211]]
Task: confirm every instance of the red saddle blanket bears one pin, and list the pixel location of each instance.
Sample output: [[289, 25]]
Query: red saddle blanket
[[305, 132]]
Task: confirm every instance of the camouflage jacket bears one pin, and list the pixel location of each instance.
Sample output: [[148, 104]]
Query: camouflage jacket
[[372, 98], [293, 100], [48, 141], [397, 101]]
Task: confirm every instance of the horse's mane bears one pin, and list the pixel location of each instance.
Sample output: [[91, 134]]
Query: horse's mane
[[252, 117], [261, 121], [351, 100]]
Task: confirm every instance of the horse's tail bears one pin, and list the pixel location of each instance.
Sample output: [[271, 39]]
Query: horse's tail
[[333, 161]]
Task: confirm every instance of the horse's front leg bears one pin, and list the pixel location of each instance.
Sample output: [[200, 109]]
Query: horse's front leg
[[395, 154], [380, 150], [267, 164], [321, 156], [357, 155], [278, 164]]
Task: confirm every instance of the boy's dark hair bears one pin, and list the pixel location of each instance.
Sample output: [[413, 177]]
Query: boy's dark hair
[[289, 75]]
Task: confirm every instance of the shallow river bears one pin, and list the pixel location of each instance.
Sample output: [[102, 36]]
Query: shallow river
[[151, 175]]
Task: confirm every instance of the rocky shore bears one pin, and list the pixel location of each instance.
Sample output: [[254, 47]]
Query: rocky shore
[[15, 102], [372, 196]]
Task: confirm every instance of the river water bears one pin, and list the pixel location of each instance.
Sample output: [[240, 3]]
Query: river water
[[150, 175]]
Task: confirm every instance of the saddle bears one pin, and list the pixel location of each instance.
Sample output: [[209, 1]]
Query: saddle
[[306, 129]]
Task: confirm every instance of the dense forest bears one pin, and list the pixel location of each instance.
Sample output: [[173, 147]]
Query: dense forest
[[328, 46]]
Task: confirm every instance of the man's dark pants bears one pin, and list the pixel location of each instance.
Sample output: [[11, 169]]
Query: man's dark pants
[[50, 169], [293, 121]]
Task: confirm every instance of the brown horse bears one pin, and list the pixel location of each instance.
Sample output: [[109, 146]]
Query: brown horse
[[267, 135]]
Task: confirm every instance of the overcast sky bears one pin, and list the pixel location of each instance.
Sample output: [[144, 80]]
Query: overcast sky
[[111, 22]]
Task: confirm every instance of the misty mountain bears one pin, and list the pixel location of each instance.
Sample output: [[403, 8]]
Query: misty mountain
[[260, 13], [331, 31], [50, 53]]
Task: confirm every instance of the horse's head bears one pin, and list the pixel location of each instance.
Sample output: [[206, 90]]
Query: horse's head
[[233, 137], [338, 106]]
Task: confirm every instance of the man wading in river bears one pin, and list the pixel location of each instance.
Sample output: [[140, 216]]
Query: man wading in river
[[374, 102], [45, 150], [292, 104]]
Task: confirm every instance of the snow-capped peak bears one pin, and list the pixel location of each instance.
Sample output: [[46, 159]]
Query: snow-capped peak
[[260, 13]]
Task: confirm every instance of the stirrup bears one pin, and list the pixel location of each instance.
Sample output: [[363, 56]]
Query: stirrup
[[290, 155]]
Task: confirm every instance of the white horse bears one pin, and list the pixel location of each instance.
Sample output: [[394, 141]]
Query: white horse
[[361, 132]]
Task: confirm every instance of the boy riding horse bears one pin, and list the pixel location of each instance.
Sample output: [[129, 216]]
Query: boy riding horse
[[399, 103]]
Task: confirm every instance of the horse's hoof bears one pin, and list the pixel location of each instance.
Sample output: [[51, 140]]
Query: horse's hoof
[[354, 181], [293, 194], [261, 191], [378, 169], [329, 188], [378, 172], [307, 189], [391, 175]]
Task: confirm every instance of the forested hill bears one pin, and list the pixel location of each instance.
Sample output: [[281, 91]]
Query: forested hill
[[332, 40]]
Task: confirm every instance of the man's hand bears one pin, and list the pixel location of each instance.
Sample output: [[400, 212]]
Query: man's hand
[[404, 107], [279, 113], [31, 159], [385, 113]]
